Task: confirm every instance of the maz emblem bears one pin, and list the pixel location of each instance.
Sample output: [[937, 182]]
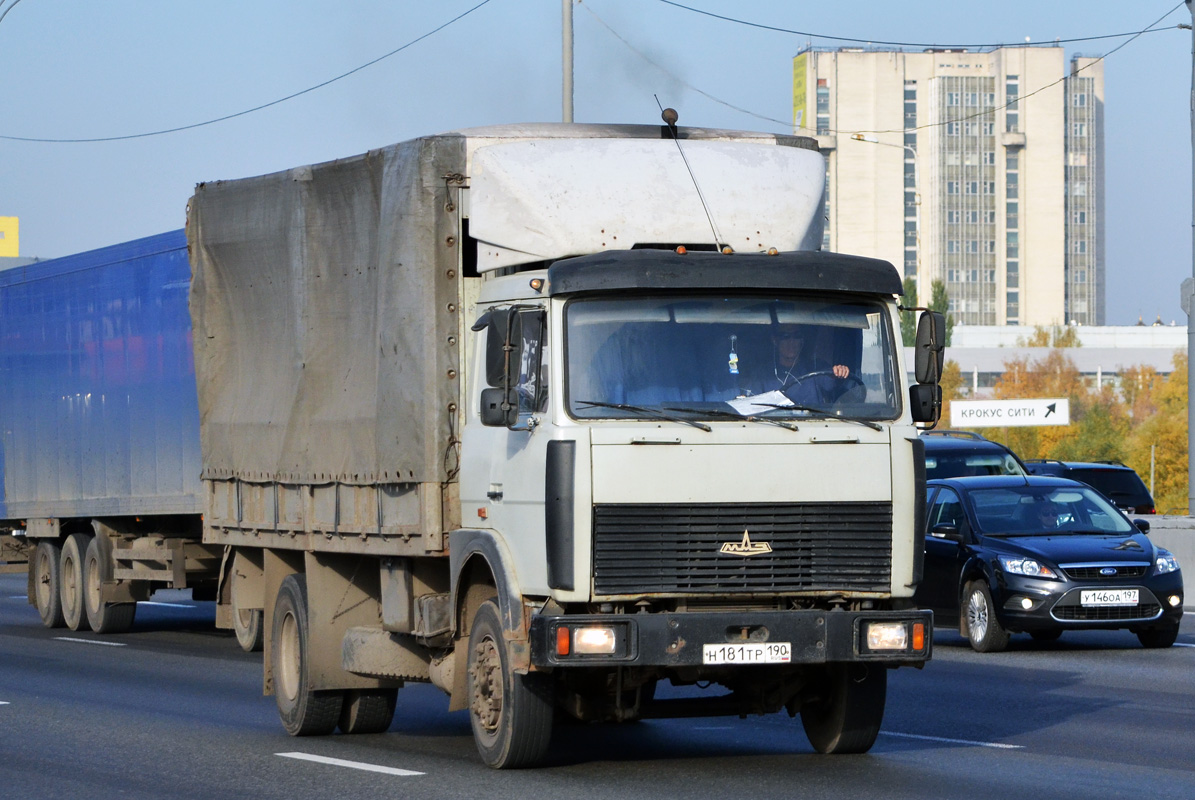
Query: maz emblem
[[745, 547]]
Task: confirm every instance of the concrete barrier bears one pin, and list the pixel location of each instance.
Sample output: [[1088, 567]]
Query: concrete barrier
[[1177, 534]]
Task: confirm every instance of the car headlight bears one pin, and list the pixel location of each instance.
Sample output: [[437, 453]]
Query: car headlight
[[1166, 562], [1026, 566]]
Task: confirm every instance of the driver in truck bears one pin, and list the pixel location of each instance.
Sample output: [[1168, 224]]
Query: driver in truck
[[797, 372]]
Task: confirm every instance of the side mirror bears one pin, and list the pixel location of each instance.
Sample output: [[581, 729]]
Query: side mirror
[[499, 408], [947, 531], [502, 342], [930, 346], [925, 402], [1142, 525]]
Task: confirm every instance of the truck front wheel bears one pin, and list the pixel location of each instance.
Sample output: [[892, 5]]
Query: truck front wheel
[[304, 712], [511, 713], [47, 584], [846, 716]]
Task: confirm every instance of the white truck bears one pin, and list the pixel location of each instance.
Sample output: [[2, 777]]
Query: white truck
[[491, 410]]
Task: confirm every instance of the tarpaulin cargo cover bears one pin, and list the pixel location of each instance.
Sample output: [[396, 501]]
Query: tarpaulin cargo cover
[[323, 300]]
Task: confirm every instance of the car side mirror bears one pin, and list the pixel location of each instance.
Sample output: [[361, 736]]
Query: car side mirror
[[499, 407], [947, 531], [1142, 525]]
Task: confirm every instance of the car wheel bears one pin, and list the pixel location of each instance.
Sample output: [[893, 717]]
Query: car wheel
[[1046, 635], [1160, 636], [984, 631]]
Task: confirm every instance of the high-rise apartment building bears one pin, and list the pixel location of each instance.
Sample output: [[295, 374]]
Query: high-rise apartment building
[[983, 170]]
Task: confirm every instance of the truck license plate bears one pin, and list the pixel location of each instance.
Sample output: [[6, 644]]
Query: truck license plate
[[753, 653], [1108, 597]]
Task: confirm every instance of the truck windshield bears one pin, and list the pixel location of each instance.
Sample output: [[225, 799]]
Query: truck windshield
[[703, 356]]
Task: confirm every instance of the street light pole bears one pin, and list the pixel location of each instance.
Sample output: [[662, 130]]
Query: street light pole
[[1187, 302], [567, 61], [912, 151]]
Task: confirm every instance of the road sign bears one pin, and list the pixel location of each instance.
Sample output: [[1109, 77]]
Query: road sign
[[1010, 413]]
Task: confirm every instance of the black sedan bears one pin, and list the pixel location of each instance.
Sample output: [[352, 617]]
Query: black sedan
[[1039, 555]]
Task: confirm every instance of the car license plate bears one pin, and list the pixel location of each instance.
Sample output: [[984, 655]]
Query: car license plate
[[752, 653], [1108, 597]]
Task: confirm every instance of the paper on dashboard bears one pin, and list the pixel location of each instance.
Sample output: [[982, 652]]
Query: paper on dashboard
[[759, 403]]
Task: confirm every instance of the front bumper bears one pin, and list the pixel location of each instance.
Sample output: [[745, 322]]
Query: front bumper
[[677, 639], [1057, 604]]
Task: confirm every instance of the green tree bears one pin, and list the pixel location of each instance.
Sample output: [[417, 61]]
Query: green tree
[[908, 319], [938, 301]]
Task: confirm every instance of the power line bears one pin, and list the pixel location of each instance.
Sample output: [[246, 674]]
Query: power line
[[677, 78], [10, 8], [255, 108], [812, 35]]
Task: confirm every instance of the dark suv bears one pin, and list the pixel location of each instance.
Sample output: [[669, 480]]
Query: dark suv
[[1111, 478], [956, 454]]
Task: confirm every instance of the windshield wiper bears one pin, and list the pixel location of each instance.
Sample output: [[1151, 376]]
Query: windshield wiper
[[720, 414], [651, 412], [821, 413]]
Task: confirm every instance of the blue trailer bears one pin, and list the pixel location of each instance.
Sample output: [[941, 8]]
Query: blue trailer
[[99, 431]]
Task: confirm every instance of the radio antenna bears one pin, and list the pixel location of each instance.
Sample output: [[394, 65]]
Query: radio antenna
[[670, 117]]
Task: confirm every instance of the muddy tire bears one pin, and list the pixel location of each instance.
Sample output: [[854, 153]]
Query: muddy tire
[[47, 583], [846, 718], [511, 713], [102, 617], [304, 712], [71, 572], [367, 710], [247, 623]]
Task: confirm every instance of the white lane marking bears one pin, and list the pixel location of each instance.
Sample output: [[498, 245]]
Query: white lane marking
[[18, 597], [168, 605], [3, 702], [89, 641], [1181, 644], [338, 762], [996, 745]]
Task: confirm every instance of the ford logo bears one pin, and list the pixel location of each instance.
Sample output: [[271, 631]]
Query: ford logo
[[1108, 571]]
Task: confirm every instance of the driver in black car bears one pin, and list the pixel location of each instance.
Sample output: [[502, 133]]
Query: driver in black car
[[798, 373]]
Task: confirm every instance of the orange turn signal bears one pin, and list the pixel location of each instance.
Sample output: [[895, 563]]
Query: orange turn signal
[[564, 641], [918, 636]]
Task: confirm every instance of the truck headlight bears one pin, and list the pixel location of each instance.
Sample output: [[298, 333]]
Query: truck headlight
[[586, 640], [887, 636]]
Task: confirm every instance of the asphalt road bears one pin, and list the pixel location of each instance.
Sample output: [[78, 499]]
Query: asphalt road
[[174, 709]]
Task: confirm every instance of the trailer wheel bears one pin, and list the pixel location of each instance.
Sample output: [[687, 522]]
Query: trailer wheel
[[71, 571], [367, 710], [511, 713], [846, 718], [246, 622], [103, 617], [304, 712], [47, 583]]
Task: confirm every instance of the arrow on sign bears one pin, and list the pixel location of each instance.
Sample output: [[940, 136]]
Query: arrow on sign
[[1050, 409]]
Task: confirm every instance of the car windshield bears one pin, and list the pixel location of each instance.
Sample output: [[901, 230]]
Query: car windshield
[[1117, 484], [1046, 511], [779, 357], [957, 465]]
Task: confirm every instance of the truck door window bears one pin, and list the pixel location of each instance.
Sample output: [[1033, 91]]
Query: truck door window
[[532, 383]]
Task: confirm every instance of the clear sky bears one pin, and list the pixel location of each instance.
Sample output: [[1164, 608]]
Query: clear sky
[[88, 69]]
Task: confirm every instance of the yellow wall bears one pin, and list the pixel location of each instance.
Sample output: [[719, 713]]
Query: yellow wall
[[9, 239]]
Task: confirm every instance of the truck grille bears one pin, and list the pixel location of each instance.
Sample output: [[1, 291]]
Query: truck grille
[[678, 549]]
